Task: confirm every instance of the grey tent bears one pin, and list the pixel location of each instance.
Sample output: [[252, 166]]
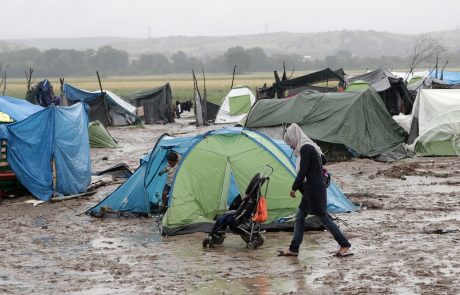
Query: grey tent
[[391, 89], [156, 104], [357, 120]]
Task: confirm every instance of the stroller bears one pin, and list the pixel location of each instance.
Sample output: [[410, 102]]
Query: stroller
[[240, 221]]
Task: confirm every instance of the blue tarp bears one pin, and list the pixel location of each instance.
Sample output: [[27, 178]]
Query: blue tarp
[[17, 109], [52, 133], [448, 77], [143, 189], [73, 93]]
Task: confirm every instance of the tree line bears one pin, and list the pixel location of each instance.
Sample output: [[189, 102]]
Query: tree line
[[111, 61]]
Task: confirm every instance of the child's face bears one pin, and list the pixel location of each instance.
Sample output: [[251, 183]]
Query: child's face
[[172, 163]]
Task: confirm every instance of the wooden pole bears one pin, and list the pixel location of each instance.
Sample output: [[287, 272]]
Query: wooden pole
[[4, 80], [233, 77], [205, 99]]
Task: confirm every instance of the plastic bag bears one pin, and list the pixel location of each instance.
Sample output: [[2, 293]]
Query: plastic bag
[[261, 214]]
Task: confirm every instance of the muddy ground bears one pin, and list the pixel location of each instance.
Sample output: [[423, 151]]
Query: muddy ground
[[405, 239]]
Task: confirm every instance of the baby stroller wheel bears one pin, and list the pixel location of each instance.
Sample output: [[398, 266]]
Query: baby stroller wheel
[[252, 245], [205, 242], [260, 240], [211, 243], [219, 239]]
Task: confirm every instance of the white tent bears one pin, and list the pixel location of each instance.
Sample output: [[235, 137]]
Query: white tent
[[436, 123], [235, 105]]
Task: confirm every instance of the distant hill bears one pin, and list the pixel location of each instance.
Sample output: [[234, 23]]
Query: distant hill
[[316, 45]]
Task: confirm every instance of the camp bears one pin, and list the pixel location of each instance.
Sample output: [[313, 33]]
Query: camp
[[357, 120], [215, 168], [391, 89], [107, 107], [235, 105], [156, 105], [59, 136], [435, 125]]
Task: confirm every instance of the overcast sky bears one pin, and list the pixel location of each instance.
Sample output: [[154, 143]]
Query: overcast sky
[[139, 18]]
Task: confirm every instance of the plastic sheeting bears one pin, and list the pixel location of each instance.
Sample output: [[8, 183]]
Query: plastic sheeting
[[357, 120], [447, 77], [17, 109], [54, 133], [435, 126]]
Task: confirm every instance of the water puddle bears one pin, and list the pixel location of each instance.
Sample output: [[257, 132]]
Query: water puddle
[[448, 217], [43, 240], [259, 285], [113, 243]]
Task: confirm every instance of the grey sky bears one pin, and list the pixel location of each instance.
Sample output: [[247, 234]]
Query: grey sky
[[134, 18]]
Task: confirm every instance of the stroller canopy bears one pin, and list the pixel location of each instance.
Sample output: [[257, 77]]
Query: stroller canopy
[[215, 168]]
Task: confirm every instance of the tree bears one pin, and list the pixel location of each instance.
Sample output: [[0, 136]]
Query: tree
[[259, 60], [110, 60], [153, 63], [180, 62], [239, 57], [425, 47]]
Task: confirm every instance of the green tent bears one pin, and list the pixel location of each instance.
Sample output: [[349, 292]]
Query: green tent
[[358, 120], [223, 158], [99, 137], [357, 86], [415, 79]]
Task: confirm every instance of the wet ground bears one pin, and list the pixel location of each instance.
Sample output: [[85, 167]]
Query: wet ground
[[405, 239]]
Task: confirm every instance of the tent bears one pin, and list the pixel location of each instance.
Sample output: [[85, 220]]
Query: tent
[[156, 104], [235, 105], [357, 86], [391, 89], [5, 118], [435, 129], [215, 168], [357, 120], [211, 110], [316, 81], [106, 107], [43, 94], [17, 109], [50, 138], [447, 77], [99, 137]]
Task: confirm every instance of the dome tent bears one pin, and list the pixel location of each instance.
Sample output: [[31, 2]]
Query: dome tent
[[235, 105], [215, 167]]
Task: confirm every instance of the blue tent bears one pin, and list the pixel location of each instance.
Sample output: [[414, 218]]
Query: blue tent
[[142, 191], [106, 106], [448, 77], [17, 109], [54, 133]]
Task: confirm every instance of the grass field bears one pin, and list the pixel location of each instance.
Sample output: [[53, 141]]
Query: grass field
[[217, 85]]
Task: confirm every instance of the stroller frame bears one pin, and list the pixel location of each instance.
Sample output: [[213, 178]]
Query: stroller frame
[[249, 230]]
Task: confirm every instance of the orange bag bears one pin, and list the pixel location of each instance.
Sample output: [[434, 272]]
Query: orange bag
[[261, 214]]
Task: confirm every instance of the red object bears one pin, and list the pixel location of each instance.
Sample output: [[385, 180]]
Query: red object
[[261, 214]]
